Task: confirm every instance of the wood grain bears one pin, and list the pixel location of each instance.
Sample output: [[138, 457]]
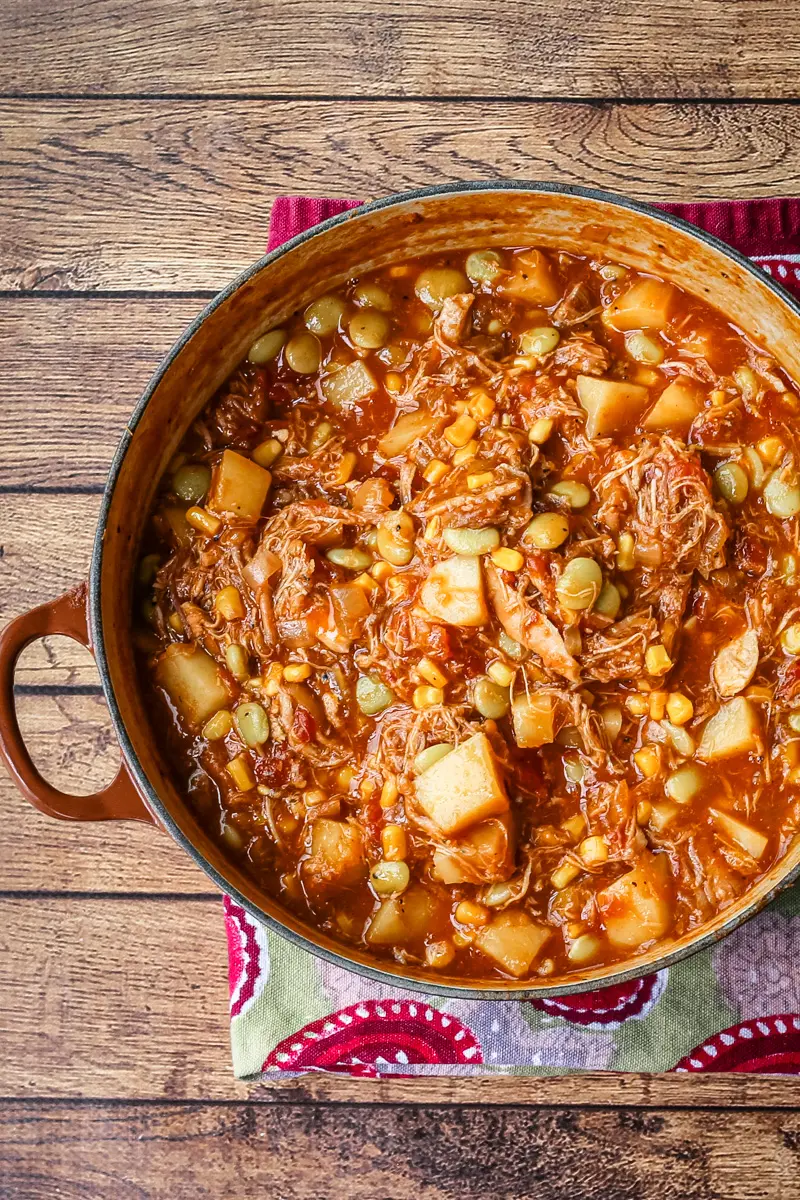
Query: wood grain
[[73, 374], [126, 1152], [154, 194], [72, 742], [105, 998], [125, 998], [429, 47]]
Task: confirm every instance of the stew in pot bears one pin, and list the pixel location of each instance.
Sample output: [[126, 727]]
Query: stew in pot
[[470, 613]]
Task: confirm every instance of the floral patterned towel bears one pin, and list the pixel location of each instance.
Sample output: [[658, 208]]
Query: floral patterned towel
[[733, 1008]]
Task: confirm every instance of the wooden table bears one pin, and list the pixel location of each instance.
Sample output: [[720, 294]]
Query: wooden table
[[142, 144]]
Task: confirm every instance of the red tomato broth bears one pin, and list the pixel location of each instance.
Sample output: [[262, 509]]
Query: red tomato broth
[[588, 807]]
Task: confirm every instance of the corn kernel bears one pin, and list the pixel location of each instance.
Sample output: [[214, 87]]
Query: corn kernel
[[648, 761], [679, 708], [658, 705], [657, 661], [564, 874], [267, 452], [575, 826], [367, 790], [507, 559], [501, 673], [462, 429], [344, 777], [394, 382], [241, 773], [593, 850], [465, 453], [481, 406], [272, 679], [644, 810], [625, 559], [439, 954], [435, 470], [432, 529], [175, 623], [791, 753], [389, 792], [575, 928], [297, 672], [427, 697], [219, 726], [463, 938], [771, 450], [482, 479], [400, 271], [637, 706], [790, 638], [366, 582], [717, 397], [395, 585], [381, 571], [468, 913], [345, 469], [394, 843], [430, 672], [202, 520], [540, 431], [229, 604]]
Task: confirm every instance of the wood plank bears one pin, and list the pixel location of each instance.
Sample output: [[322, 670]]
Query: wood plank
[[115, 999], [429, 47], [68, 398], [149, 195], [45, 550], [161, 1151], [87, 1017], [72, 742]]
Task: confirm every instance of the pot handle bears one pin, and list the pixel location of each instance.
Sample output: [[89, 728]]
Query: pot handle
[[120, 800]]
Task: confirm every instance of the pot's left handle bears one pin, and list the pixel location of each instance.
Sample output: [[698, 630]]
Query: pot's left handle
[[120, 800]]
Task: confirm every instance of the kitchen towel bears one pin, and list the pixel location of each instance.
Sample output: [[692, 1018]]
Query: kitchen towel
[[735, 1007]]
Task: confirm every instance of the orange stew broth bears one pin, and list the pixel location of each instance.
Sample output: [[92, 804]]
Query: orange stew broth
[[617, 813]]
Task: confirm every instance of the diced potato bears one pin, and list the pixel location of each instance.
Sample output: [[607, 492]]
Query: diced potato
[[532, 720], [406, 918], [463, 788], [239, 486], [484, 853], [646, 305], [454, 592], [735, 664], [176, 519], [345, 388], [192, 680], [636, 908], [675, 408], [661, 814], [734, 729], [533, 280], [609, 404], [337, 856], [406, 429], [745, 836], [513, 940]]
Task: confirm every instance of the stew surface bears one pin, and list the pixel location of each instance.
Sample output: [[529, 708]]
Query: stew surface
[[470, 613]]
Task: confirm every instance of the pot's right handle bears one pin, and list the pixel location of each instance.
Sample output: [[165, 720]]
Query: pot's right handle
[[120, 800]]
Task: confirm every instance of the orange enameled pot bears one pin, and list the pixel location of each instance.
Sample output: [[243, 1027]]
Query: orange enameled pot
[[460, 216]]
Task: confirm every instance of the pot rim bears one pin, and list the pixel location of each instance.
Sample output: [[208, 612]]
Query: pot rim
[[502, 990]]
